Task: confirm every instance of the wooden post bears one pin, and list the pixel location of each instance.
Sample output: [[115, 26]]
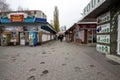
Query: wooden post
[[17, 38], [26, 38], [40, 37]]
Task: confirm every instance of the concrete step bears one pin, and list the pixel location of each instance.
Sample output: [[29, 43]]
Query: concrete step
[[114, 58]]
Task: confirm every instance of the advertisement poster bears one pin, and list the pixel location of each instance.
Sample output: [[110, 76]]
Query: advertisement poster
[[17, 18], [31, 38], [103, 38], [103, 48], [103, 18], [103, 28]]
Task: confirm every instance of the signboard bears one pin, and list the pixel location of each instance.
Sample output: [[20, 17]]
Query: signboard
[[92, 5], [103, 38], [103, 48], [27, 17], [103, 28], [11, 28], [104, 18], [17, 18]]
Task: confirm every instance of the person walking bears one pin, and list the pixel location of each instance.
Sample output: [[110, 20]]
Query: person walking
[[61, 38]]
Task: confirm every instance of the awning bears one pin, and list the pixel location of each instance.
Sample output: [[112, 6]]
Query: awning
[[102, 8]]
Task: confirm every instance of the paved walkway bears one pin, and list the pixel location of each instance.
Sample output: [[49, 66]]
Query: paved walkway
[[56, 61]]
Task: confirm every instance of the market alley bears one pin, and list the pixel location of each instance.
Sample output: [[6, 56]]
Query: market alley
[[56, 61]]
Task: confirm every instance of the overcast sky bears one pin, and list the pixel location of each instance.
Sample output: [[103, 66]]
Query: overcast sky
[[69, 10]]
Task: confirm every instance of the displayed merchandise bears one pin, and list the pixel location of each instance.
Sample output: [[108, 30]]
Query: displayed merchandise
[[5, 39], [22, 38]]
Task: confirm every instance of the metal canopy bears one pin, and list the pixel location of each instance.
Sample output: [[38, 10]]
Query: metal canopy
[[48, 28], [102, 8], [22, 24]]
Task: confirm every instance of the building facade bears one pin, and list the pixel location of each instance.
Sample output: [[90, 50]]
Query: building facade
[[83, 32], [25, 28], [107, 13]]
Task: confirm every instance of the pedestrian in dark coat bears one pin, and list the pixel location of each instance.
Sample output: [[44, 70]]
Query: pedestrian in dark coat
[[60, 37]]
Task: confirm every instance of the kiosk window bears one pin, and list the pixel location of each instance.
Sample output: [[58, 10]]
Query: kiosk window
[[13, 34]]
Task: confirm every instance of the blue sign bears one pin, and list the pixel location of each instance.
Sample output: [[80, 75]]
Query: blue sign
[[41, 20], [26, 20], [5, 20], [29, 20]]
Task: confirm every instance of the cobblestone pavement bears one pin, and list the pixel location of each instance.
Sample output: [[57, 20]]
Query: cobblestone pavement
[[55, 61]]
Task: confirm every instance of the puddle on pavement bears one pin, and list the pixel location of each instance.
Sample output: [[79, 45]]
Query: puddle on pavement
[[64, 64], [92, 65], [42, 62], [13, 59], [31, 78], [77, 69], [44, 72], [44, 52], [31, 70], [99, 73]]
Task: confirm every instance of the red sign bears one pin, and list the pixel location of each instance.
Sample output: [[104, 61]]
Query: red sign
[[17, 18]]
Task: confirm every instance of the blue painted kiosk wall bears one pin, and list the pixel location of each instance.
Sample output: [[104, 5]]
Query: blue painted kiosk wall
[[32, 38]]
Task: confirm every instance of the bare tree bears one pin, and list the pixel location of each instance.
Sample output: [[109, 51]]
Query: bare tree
[[20, 8], [4, 6]]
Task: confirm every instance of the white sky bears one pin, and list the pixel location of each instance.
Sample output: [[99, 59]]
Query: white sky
[[69, 10]]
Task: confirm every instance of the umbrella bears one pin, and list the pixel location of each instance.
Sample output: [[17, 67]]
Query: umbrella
[[60, 33]]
